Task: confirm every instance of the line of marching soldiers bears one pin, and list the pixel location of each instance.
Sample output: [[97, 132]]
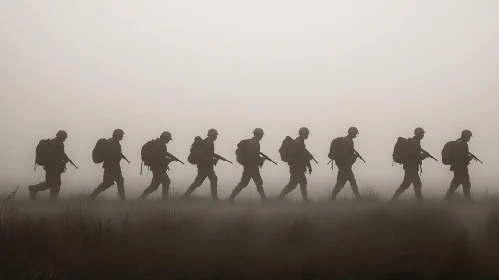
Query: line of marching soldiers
[[407, 151]]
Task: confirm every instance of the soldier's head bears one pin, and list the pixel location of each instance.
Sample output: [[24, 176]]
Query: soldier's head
[[166, 137], [466, 135], [352, 132], [118, 134], [258, 133], [213, 134], [304, 132], [419, 133], [61, 136]]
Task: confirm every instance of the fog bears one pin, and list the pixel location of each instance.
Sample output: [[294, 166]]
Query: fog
[[186, 66]]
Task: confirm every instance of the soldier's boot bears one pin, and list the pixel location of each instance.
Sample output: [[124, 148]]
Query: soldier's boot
[[284, 192], [234, 193], [396, 195], [121, 190], [467, 194], [419, 195], [355, 190], [165, 192], [262, 194], [32, 192], [304, 194], [334, 194], [214, 192]]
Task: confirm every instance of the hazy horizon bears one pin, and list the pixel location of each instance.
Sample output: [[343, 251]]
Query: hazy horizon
[[385, 67]]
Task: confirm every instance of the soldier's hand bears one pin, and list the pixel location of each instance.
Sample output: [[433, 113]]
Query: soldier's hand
[[310, 170]]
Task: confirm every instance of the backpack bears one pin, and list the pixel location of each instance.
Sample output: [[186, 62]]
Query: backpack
[[147, 153], [99, 151], [43, 152], [286, 149], [400, 150], [335, 148], [241, 154], [447, 153], [196, 150]]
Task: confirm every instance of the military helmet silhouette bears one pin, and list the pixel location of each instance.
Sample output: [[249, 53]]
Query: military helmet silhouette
[[62, 134], [258, 131], [166, 134], [419, 130], [118, 132], [303, 131], [212, 131], [353, 130]]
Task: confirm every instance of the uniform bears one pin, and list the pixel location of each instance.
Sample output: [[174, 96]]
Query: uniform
[[205, 169], [297, 168], [345, 160], [158, 169], [461, 160], [53, 170], [112, 170], [414, 158], [252, 164]]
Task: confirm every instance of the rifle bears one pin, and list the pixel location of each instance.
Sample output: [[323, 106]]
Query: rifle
[[267, 158], [329, 162], [72, 163], [316, 162], [359, 156], [174, 158], [221, 158], [428, 155], [475, 158], [124, 157]]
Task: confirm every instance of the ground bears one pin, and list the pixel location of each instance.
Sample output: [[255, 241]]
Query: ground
[[76, 238]]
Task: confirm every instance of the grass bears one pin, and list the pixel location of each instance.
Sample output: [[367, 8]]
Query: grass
[[77, 238]]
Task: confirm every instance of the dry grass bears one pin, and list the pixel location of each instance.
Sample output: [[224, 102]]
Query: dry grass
[[80, 239]]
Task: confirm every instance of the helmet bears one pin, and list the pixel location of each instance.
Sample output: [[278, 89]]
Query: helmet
[[212, 132], [419, 130], [118, 132], [303, 131], [166, 134], [466, 133], [258, 131], [62, 134], [353, 130]]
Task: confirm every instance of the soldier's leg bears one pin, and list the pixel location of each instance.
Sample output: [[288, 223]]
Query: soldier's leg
[[302, 180], [55, 185], [155, 182], [33, 189], [245, 179], [165, 186], [416, 182], [257, 178], [353, 184], [406, 183], [200, 177], [212, 176], [120, 184], [108, 181], [293, 183], [466, 185], [341, 180], [454, 184]]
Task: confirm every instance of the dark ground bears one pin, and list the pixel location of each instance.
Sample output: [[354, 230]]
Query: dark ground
[[81, 239]]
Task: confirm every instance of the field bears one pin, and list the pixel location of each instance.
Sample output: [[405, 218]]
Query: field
[[104, 239]]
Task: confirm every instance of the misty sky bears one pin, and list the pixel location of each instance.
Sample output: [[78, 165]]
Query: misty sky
[[185, 66]]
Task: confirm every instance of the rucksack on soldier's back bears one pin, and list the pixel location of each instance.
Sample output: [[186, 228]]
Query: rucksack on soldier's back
[[447, 152], [100, 150], [286, 149], [335, 148], [147, 153], [241, 151], [400, 150], [43, 152], [196, 150]]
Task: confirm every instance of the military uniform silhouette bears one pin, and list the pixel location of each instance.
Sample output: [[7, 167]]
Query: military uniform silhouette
[[461, 160], [160, 166], [298, 166], [252, 163], [206, 166], [112, 168], [53, 168], [345, 160], [413, 160]]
